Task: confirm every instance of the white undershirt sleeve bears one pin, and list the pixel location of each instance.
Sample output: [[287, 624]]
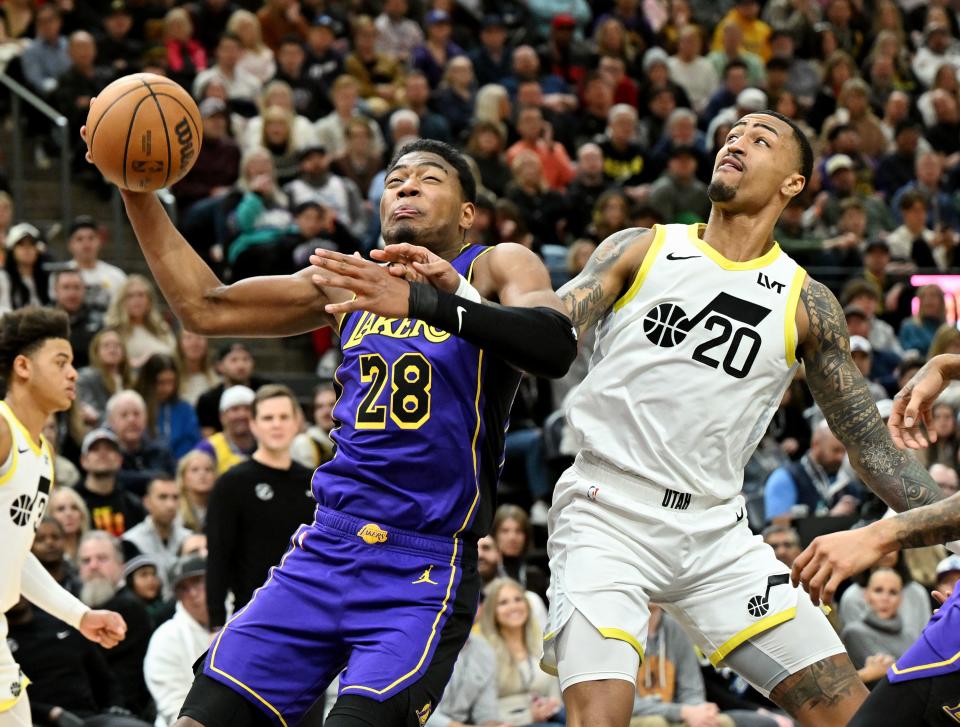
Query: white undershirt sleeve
[[39, 587]]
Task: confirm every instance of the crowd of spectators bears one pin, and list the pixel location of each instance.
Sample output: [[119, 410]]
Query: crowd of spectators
[[579, 119]]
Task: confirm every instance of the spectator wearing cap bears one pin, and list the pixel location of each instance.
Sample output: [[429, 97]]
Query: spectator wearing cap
[[309, 93], [543, 13], [862, 353], [179, 642], [112, 508], [23, 280], [142, 458], [317, 183], [380, 76], [896, 168], [868, 296], [433, 125], [332, 128], [938, 48], [948, 573], [437, 49], [235, 442], [101, 574], [492, 56], [140, 572], [678, 195], [235, 364], [102, 279], [278, 19], [691, 70], [257, 505], [562, 54], [398, 35], [116, 46], [218, 163], [325, 61], [240, 85], [69, 294], [812, 486], [841, 180]]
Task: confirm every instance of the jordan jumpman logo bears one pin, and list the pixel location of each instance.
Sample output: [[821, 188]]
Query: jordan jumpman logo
[[425, 578]]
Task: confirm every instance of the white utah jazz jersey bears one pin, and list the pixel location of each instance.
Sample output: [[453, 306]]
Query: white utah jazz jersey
[[25, 481], [690, 365]]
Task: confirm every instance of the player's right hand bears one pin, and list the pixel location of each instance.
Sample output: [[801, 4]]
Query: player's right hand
[[106, 628], [913, 405]]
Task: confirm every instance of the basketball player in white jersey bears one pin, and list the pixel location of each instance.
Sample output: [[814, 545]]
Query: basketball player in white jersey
[[36, 361], [701, 329]]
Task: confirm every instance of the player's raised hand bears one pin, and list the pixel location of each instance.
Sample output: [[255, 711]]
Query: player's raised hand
[[424, 265], [106, 628], [913, 405], [831, 559], [374, 288]]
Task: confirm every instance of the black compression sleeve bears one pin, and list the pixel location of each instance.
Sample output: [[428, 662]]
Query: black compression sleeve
[[540, 341]]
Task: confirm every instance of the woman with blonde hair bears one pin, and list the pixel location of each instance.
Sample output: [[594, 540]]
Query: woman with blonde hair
[[256, 58], [108, 373], [134, 313], [186, 57], [526, 694], [279, 94], [493, 105], [277, 137], [68, 508], [196, 474], [196, 366]]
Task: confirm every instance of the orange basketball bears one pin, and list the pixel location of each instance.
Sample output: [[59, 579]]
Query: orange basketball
[[144, 132]]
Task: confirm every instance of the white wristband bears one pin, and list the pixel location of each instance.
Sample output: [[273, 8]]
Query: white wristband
[[465, 290]]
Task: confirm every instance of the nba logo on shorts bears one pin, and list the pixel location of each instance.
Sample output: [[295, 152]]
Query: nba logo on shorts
[[593, 492]]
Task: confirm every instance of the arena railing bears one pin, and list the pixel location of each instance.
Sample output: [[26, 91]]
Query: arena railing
[[21, 94]]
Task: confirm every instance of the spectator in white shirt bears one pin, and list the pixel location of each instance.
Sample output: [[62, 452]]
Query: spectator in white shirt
[[691, 70], [102, 279]]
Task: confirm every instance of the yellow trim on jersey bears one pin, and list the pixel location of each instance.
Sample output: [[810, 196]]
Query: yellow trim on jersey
[[621, 635], [790, 318], [216, 643], [469, 275], [11, 703], [453, 557], [921, 667], [658, 239], [23, 430], [760, 262], [764, 624], [15, 455]]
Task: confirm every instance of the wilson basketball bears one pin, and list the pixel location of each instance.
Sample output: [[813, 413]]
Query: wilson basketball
[[144, 132]]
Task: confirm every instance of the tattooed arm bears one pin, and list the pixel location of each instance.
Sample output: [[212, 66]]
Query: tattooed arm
[[606, 275], [841, 392]]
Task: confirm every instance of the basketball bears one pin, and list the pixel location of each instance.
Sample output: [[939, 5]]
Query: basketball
[[144, 132]]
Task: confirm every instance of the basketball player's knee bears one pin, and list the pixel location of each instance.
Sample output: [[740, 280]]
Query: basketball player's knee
[[826, 693], [600, 703]]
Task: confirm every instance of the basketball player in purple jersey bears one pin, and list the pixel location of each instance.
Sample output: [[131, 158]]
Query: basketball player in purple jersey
[[384, 583], [923, 688]]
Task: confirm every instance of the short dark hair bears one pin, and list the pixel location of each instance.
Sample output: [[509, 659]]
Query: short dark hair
[[735, 63], [859, 287], [308, 205], [228, 348], [83, 222], [910, 198], [803, 145], [291, 39], [273, 391], [468, 185], [778, 64], [25, 330], [159, 477], [228, 35]]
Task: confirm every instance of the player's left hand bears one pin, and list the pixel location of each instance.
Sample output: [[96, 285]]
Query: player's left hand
[[831, 559], [376, 290], [913, 406], [106, 628]]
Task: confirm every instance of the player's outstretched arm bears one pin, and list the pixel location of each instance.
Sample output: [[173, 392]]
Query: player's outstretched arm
[[606, 275], [913, 405], [841, 392], [260, 306], [528, 330]]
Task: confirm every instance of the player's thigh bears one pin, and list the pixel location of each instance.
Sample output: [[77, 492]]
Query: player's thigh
[[929, 702], [597, 674], [212, 704], [18, 715]]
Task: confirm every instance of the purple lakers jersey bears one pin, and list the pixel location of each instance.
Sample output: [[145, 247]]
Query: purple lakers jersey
[[937, 651], [421, 418]]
